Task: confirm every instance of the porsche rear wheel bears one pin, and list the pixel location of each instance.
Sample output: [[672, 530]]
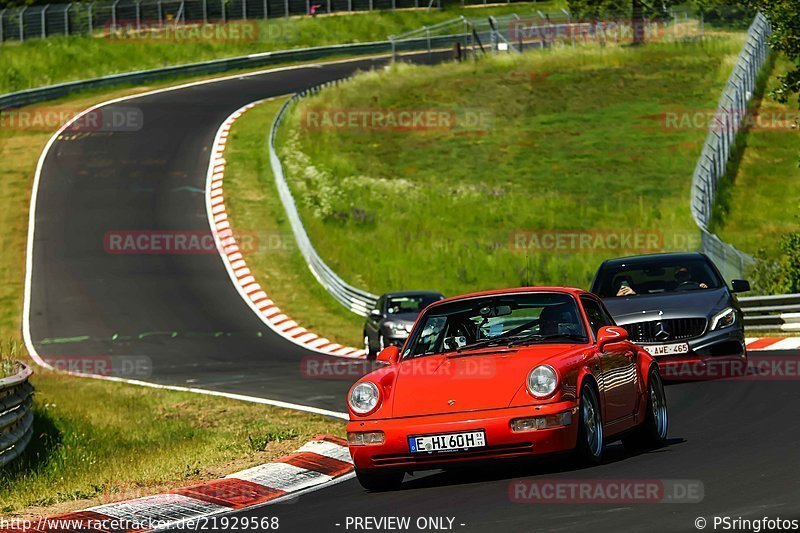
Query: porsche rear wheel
[[380, 481], [589, 448], [653, 431]]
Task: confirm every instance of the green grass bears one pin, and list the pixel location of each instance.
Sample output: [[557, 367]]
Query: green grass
[[253, 205], [41, 62], [577, 142], [762, 200], [97, 442]]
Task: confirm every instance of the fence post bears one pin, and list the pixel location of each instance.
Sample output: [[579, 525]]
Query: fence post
[[44, 20], [114, 15], [350, 5], [428, 36], [22, 23], [286, 7], [308, 7], [222, 5], [160, 14], [138, 15], [266, 10], [370, 5], [329, 6], [2, 14], [244, 9]]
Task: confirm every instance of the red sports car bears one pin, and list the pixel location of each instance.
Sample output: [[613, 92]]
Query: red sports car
[[503, 374]]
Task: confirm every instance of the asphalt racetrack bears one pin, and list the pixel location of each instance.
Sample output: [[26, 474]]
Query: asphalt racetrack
[[182, 313]]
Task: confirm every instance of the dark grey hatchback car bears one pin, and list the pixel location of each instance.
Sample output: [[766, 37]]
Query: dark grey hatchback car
[[391, 320], [676, 306]]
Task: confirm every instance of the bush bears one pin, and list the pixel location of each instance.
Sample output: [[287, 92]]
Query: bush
[[781, 276]]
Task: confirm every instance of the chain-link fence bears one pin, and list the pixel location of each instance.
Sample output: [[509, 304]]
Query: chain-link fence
[[728, 120], [89, 18]]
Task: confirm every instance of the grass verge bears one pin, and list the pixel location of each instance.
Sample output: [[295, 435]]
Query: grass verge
[[575, 141], [253, 207], [97, 442], [40, 62], [760, 201]]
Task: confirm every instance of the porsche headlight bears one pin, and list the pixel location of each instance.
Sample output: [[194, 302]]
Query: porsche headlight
[[364, 397], [723, 319], [542, 381]]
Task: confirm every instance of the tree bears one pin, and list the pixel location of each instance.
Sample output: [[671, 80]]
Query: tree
[[785, 18], [637, 10]]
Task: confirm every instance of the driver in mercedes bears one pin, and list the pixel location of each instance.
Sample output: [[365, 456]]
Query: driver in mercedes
[[682, 275]]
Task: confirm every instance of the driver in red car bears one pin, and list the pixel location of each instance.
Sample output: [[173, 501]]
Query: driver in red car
[[681, 275]]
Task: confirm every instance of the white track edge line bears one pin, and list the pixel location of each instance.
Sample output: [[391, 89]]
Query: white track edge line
[[26, 301]]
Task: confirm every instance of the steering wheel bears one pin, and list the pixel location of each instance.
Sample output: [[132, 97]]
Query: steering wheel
[[687, 285]]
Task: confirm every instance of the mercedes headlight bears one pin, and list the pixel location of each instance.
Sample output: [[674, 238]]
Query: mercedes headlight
[[542, 381], [364, 397], [723, 319], [399, 329]]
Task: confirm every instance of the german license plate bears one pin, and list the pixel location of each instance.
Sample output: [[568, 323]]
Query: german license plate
[[449, 442], [667, 349]]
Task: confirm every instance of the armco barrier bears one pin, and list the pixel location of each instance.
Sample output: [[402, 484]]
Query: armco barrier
[[780, 312], [16, 417], [356, 300], [32, 96]]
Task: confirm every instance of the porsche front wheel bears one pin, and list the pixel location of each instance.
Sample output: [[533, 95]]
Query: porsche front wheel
[[380, 481], [589, 448]]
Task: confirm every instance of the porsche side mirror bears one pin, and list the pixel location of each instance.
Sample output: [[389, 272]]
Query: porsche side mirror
[[609, 335], [740, 285], [375, 313], [390, 354]]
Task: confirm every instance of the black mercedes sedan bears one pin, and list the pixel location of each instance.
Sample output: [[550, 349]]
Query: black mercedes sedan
[[678, 307]]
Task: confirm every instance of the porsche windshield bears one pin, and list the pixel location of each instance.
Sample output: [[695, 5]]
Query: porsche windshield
[[497, 320], [656, 277]]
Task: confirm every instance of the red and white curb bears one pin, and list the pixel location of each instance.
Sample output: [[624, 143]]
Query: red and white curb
[[315, 465], [755, 344], [235, 262]]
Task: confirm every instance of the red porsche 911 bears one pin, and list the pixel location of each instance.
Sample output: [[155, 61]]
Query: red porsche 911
[[504, 374]]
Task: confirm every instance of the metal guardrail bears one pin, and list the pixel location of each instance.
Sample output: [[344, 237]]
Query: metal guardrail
[[356, 300], [16, 417], [728, 119], [132, 17], [40, 94], [781, 312]]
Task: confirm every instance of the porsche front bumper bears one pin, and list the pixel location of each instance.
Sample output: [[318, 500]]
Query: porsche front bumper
[[501, 440]]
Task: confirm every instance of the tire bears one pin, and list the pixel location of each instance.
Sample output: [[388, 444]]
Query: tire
[[380, 481], [653, 431], [367, 348], [589, 447]]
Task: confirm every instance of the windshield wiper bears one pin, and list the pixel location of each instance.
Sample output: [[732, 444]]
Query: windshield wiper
[[503, 339], [537, 337]]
